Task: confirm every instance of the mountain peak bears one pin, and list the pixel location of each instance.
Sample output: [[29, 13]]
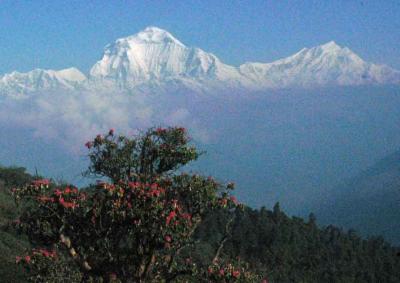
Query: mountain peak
[[330, 46], [154, 55], [152, 35]]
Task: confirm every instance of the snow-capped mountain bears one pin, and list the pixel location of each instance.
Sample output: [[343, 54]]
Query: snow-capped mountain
[[154, 56], [327, 64], [19, 84], [154, 60]]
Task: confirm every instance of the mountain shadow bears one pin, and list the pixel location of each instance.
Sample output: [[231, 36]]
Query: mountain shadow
[[369, 202]]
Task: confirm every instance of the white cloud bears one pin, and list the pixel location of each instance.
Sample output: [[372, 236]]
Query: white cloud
[[72, 118]]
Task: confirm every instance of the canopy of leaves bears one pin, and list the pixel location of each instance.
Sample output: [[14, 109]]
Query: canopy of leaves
[[134, 229]]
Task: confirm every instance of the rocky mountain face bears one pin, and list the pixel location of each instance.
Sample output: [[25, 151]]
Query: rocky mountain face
[[154, 60]]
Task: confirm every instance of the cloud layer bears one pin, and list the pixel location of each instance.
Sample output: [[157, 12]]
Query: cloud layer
[[71, 118]]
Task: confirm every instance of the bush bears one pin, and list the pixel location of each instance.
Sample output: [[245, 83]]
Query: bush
[[135, 226]]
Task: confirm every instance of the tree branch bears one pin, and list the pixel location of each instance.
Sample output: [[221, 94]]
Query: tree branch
[[224, 238]]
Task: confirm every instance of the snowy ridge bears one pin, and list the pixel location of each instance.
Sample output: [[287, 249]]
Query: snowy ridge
[[19, 84], [324, 65], [154, 60]]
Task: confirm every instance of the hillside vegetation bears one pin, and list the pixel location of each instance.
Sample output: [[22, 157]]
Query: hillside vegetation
[[11, 244], [283, 249]]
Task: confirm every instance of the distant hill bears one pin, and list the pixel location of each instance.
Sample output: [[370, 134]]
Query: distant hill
[[370, 202]]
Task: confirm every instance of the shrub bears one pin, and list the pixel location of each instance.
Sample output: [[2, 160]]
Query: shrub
[[136, 225]]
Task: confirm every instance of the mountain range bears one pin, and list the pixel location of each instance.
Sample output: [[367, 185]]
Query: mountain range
[[154, 60]]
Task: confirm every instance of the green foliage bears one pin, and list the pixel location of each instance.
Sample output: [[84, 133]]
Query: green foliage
[[11, 243], [151, 223], [136, 228], [155, 153], [14, 176], [287, 249]]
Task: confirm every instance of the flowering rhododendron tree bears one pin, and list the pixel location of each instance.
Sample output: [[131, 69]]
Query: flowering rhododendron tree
[[134, 225]]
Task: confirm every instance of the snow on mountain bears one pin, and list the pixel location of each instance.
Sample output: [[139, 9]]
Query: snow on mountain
[[154, 56], [153, 60], [324, 65], [19, 84]]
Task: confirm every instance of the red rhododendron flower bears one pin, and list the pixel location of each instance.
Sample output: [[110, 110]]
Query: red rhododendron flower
[[171, 215], [236, 273], [27, 259], [42, 182], [45, 253], [186, 216], [18, 259], [223, 202], [88, 144], [234, 200], [160, 131], [45, 199], [134, 185], [111, 132], [67, 204]]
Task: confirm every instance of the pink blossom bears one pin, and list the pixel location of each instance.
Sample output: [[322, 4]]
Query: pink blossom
[[45, 199], [161, 131], [171, 215], [67, 204], [89, 144], [42, 182], [236, 273], [234, 200], [18, 259], [27, 259]]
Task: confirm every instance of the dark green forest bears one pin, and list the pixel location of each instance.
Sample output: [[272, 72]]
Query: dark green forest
[[281, 248]]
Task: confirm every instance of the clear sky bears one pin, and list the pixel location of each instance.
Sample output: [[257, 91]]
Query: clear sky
[[58, 34]]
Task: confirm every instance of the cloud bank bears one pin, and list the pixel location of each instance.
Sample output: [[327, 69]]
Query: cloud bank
[[71, 118]]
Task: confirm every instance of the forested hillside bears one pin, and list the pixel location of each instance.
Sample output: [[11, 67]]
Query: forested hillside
[[289, 249], [282, 248]]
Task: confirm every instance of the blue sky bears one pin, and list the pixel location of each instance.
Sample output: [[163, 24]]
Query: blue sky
[[58, 34]]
